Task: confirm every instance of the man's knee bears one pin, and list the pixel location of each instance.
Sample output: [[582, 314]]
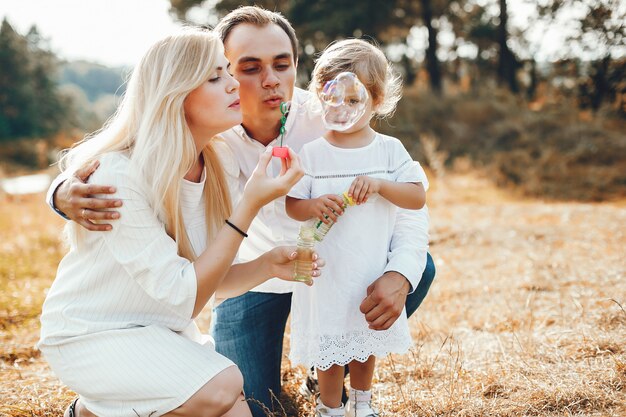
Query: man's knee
[[218, 395]]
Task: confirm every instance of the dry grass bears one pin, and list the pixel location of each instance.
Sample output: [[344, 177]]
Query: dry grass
[[526, 316]]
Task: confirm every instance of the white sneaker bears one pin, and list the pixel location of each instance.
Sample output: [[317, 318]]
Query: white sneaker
[[310, 386], [360, 404], [322, 411]]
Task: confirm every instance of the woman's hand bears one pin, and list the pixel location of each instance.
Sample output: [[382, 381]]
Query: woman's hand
[[281, 263], [261, 189], [363, 187]]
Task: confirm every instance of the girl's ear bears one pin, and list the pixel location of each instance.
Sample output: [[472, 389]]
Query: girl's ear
[[376, 103]]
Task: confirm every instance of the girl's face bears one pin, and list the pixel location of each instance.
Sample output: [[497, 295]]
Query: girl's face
[[344, 101], [364, 120], [213, 107]]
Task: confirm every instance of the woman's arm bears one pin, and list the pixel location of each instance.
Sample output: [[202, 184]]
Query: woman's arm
[[213, 264], [276, 263]]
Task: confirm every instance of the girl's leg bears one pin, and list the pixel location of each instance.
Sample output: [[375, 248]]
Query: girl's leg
[[331, 385], [360, 396], [362, 373]]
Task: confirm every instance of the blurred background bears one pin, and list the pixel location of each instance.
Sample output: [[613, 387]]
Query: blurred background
[[530, 93]]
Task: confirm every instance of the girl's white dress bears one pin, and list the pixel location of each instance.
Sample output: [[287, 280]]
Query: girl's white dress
[[327, 327], [116, 325]]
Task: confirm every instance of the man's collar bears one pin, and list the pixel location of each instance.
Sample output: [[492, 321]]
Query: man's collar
[[241, 132]]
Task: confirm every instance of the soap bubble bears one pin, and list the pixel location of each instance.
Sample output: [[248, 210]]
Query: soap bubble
[[344, 100]]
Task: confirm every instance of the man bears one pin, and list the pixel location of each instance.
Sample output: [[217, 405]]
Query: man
[[262, 49]]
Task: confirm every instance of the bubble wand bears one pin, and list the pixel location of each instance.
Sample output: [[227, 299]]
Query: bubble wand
[[282, 151]]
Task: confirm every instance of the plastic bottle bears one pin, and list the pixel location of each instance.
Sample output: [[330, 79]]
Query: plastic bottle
[[320, 228], [304, 254]]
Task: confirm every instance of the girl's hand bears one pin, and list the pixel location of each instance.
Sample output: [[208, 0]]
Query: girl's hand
[[261, 189], [362, 187], [281, 263], [327, 208]]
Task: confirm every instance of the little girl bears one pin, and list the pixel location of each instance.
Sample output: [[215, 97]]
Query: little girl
[[327, 329]]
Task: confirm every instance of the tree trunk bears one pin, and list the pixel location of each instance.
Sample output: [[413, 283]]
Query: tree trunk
[[432, 64], [532, 88], [507, 64], [600, 83]]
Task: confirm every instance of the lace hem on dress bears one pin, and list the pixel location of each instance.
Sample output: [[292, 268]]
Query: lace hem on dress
[[343, 349]]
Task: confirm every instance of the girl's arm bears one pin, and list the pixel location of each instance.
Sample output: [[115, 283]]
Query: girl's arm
[[298, 209], [407, 195], [327, 208]]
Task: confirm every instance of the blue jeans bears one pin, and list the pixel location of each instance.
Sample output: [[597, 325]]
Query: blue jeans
[[249, 330]]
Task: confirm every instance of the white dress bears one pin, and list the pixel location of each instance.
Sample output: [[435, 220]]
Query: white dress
[[116, 325], [327, 327]]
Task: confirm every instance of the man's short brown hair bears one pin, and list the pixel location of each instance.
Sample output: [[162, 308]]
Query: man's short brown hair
[[257, 16]]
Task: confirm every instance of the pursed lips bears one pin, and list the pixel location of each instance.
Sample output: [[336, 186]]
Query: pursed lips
[[274, 98]]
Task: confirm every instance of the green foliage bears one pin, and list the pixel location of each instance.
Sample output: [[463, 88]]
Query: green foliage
[[30, 104], [549, 153]]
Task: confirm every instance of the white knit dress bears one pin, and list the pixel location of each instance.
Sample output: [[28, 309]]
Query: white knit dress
[[116, 325], [327, 327]]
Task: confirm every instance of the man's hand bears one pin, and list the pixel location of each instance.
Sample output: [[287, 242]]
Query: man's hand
[[385, 300], [74, 198]]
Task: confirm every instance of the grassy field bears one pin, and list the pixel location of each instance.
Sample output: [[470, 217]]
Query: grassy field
[[526, 316]]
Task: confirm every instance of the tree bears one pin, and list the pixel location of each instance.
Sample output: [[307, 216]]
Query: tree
[[16, 104], [507, 64], [321, 22], [602, 34], [30, 103]]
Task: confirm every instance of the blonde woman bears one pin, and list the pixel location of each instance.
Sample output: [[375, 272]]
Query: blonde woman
[[117, 324]]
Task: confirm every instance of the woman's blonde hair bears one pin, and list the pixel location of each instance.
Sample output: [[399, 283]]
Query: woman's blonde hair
[[150, 126], [368, 63]]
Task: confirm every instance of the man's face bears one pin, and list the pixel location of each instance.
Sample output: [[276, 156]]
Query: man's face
[[262, 61]]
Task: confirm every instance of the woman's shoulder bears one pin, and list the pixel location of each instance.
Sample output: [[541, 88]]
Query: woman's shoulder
[[114, 169]]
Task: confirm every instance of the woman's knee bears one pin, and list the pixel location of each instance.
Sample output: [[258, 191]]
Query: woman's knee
[[218, 395]]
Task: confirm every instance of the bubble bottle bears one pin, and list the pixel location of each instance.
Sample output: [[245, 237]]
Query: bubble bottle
[[304, 254], [282, 151], [320, 228]]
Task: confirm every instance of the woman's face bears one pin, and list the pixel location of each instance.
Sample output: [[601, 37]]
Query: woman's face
[[213, 107]]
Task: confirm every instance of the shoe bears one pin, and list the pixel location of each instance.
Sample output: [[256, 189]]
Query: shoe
[[360, 405], [322, 411], [310, 387], [71, 409]]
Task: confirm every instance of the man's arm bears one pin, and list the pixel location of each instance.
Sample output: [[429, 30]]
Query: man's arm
[[71, 197], [386, 297]]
